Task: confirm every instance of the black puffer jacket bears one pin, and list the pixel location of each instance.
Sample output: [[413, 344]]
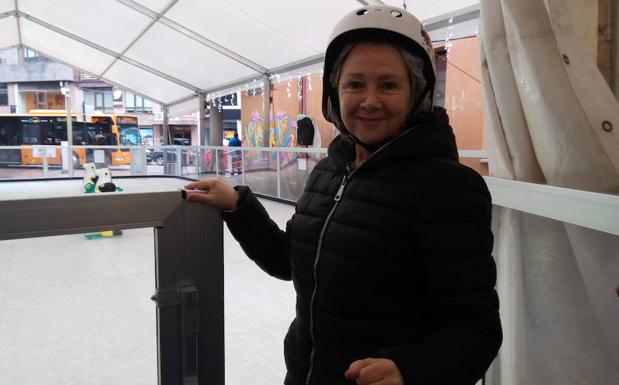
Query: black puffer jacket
[[395, 263]]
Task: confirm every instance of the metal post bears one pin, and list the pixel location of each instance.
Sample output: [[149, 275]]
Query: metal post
[[216, 162], [200, 151], [69, 130], [165, 130], [202, 129], [178, 166], [216, 123], [279, 176], [45, 164], [267, 99]]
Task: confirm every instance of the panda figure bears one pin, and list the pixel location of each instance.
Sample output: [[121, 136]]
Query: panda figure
[[97, 180], [104, 181], [89, 182]]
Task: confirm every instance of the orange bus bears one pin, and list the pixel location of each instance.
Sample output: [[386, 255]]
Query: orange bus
[[43, 131]]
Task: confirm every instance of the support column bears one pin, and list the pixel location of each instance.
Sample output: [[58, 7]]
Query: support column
[[202, 129], [268, 99], [165, 132], [67, 102], [216, 125], [20, 53]]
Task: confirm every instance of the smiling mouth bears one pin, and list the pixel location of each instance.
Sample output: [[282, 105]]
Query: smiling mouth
[[369, 119]]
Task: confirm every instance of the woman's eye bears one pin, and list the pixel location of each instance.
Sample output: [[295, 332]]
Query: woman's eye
[[353, 84], [390, 85]]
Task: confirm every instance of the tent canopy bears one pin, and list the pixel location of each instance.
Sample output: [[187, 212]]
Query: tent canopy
[[170, 50]]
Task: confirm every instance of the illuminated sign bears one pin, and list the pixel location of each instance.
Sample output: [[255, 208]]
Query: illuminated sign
[[127, 120]]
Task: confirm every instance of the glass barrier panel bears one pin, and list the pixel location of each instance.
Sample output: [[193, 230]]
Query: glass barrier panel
[[154, 159], [231, 165], [206, 163], [79, 313], [11, 166], [261, 171], [295, 169], [189, 158]]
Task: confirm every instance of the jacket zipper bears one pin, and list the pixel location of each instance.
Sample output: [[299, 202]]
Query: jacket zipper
[[337, 198]]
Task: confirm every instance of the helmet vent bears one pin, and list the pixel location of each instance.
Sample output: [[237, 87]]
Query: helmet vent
[[362, 12], [395, 13]]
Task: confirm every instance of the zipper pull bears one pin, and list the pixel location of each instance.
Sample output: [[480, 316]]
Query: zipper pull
[[338, 196]]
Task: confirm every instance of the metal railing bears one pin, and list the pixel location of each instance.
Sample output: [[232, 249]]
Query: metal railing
[[281, 173]]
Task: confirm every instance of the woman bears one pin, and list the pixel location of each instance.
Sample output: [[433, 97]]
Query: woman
[[390, 245]]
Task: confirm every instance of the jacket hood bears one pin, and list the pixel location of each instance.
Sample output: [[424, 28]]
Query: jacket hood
[[433, 138]]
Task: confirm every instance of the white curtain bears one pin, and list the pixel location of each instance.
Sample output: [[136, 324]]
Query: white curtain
[[552, 119]]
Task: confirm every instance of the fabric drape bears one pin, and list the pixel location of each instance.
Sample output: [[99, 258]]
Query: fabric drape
[[552, 119]]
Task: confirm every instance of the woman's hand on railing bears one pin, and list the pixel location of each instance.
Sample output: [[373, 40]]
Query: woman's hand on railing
[[216, 192]]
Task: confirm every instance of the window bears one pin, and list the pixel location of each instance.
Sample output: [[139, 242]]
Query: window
[[99, 100], [30, 55], [4, 95], [41, 100], [136, 103], [31, 133], [130, 136], [9, 133]]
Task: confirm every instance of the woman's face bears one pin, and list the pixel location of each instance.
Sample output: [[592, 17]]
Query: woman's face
[[374, 91]]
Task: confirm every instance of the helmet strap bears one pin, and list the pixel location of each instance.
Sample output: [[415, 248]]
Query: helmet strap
[[369, 147]]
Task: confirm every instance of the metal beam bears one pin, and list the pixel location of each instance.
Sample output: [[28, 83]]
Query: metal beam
[[109, 52], [258, 80], [18, 23], [138, 37], [97, 76], [12, 46], [371, 2], [183, 100], [194, 35], [456, 17], [313, 60], [9, 13]]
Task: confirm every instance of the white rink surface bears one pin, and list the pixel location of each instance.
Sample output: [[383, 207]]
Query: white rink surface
[[50, 188], [77, 311]]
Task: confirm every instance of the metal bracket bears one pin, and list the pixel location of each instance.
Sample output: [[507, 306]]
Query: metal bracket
[[187, 300]]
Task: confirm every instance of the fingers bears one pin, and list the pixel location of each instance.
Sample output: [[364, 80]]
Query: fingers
[[215, 192], [203, 197], [204, 184], [354, 369], [374, 371]]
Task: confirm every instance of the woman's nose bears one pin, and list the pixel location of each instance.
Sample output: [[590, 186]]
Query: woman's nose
[[371, 98]]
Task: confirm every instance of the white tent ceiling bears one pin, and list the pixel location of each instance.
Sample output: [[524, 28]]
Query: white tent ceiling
[[169, 50]]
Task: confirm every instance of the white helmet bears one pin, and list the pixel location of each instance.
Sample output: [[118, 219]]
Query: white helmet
[[376, 22]]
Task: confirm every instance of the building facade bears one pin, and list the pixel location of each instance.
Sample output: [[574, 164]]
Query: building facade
[[29, 81]]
